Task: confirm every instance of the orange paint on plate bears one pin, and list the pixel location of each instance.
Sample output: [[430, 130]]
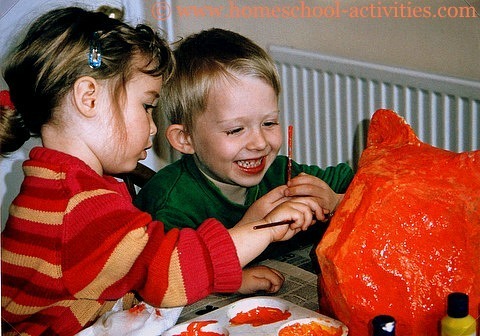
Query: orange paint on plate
[[309, 329], [195, 329], [260, 316]]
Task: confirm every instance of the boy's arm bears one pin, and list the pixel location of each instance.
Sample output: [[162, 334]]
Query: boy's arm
[[174, 218]]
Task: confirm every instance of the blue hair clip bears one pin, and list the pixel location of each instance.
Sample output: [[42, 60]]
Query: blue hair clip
[[95, 54]]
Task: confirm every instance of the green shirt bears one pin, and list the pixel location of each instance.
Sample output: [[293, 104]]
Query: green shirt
[[181, 196]]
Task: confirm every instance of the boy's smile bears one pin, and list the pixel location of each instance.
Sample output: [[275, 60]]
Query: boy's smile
[[252, 166], [238, 136]]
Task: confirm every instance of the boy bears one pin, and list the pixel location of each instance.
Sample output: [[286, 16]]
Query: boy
[[222, 104]]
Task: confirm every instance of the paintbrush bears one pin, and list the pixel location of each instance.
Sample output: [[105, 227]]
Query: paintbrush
[[290, 152], [267, 225]]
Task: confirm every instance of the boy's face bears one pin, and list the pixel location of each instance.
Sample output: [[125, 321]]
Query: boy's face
[[238, 136]]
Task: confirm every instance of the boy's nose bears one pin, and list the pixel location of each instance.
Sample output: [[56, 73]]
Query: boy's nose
[[257, 141]]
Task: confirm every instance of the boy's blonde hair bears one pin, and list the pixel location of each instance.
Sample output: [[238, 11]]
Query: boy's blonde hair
[[202, 60]]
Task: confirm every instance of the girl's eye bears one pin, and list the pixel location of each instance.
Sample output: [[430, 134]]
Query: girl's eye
[[149, 108], [234, 131]]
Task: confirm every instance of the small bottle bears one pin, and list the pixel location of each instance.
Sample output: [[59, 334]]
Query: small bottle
[[383, 325], [457, 321]]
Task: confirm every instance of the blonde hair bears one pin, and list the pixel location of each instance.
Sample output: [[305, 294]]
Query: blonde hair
[[201, 61], [55, 53]]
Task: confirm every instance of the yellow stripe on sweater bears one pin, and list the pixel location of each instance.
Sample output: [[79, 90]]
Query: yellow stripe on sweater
[[82, 196], [40, 265], [89, 310], [55, 217], [18, 309], [42, 172], [175, 294], [39, 216], [119, 263], [84, 310]]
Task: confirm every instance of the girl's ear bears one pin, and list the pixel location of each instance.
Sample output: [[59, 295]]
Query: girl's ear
[[179, 139], [85, 95]]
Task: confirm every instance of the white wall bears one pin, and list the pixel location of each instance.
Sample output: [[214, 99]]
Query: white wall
[[443, 46]]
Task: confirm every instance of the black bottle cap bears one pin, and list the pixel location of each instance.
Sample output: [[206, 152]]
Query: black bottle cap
[[457, 305], [383, 325]]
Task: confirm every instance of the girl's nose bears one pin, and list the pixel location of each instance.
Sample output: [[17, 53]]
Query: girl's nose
[[153, 127]]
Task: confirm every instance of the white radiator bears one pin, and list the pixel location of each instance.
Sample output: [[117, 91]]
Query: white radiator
[[330, 101]]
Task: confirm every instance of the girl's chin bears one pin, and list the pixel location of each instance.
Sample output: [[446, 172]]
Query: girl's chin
[[129, 166], [143, 155]]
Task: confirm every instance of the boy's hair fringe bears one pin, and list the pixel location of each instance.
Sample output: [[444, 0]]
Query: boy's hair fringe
[[204, 59]]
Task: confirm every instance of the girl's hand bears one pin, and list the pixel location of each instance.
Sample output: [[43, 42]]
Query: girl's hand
[[265, 204], [261, 278], [308, 185], [302, 211], [250, 242]]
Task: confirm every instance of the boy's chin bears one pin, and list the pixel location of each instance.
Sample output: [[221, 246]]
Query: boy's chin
[[247, 183]]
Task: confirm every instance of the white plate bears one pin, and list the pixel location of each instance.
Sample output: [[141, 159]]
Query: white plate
[[197, 325]]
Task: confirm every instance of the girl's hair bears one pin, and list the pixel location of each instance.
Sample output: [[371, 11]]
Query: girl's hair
[[55, 53], [203, 60]]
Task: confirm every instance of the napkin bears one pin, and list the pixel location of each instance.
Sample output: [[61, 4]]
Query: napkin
[[141, 319]]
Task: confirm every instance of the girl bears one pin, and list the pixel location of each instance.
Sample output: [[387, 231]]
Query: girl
[[74, 244]]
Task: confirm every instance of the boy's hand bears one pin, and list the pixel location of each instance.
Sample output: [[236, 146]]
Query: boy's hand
[[308, 185], [261, 207], [261, 278]]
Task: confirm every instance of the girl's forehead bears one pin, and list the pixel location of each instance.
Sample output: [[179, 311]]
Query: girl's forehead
[[144, 81]]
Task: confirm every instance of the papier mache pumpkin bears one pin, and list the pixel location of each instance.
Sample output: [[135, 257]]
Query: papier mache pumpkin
[[406, 234]]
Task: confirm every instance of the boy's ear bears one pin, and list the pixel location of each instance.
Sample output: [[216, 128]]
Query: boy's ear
[[179, 139], [85, 95]]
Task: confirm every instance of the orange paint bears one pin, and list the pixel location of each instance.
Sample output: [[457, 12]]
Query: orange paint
[[260, 316], [137, 308], [195, 329], [309, 329]]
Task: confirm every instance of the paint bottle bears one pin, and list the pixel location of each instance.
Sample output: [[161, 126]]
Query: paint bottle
[[458, 322], [383, 325]]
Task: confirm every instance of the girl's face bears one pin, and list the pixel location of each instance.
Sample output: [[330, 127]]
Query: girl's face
[[128, 147], [238, 136]]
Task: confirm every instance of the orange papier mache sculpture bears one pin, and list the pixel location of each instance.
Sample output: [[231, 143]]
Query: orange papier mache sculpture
[[406, 234]]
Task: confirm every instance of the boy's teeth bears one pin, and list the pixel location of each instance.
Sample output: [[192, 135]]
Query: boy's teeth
[[249, 163]]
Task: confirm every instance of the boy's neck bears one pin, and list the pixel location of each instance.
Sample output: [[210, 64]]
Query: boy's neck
[[234, 193]]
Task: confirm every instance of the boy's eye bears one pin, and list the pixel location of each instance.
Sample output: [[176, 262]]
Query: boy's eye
[[271, 123], [149, 108], [234, 131]]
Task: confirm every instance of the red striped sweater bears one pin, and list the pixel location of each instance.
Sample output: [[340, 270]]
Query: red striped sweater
[[74, 244]]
